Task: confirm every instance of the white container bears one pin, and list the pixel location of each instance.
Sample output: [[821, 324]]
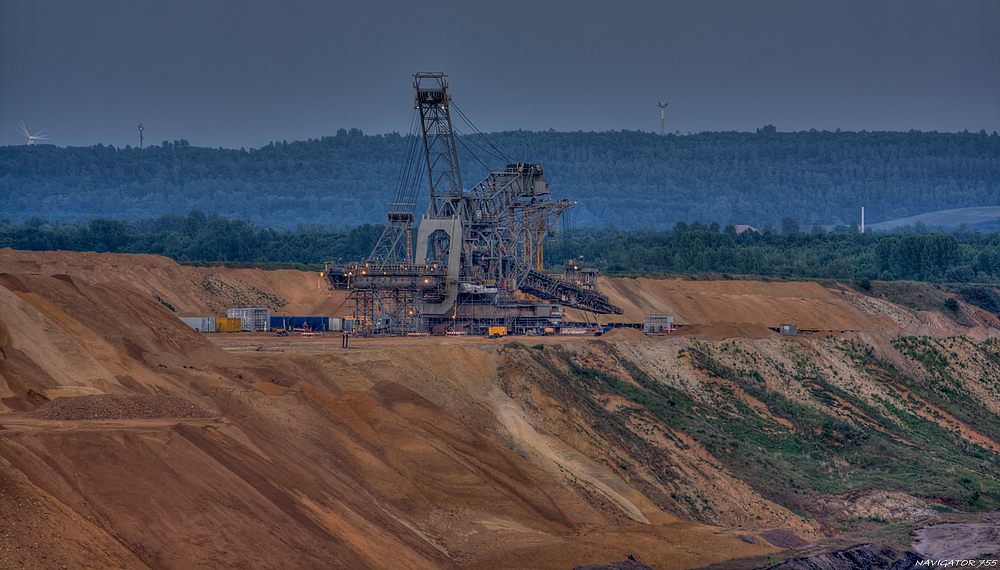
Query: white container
[[200, 324]]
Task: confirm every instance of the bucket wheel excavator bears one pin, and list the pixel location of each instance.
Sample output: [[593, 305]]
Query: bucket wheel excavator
[[476, 260]]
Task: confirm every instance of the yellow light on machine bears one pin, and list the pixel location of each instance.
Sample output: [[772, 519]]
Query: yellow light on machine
[[427, 280]]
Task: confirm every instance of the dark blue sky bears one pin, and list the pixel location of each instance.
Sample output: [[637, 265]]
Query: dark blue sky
[[243, 73]]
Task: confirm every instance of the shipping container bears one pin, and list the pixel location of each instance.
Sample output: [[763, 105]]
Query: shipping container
[[200, 324], [336, 324], [252, 319], [319, 324], [224, 324], [299, 324]]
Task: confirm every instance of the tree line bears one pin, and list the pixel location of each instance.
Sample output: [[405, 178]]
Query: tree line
[[964, 256], [195, 237]]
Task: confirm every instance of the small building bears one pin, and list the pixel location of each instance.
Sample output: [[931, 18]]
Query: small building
[[657, 323], [791, 329]]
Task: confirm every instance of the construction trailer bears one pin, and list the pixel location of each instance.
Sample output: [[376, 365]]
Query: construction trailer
[[252, 319], [478, 255]]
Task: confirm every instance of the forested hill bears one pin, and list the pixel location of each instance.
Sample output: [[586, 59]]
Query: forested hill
[[629, 179]]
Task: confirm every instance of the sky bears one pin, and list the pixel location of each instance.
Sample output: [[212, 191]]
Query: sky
[[244, 73]]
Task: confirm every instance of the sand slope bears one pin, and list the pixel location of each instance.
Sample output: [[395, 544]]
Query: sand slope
[[426, 453], [190, 291], [722, 309], [379, 457]]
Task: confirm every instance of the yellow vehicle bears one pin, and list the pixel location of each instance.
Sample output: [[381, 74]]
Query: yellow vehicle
[[497, 332]]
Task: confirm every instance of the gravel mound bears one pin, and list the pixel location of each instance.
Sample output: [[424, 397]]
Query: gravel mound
[[783, 538], [118, 407], [862, 556]]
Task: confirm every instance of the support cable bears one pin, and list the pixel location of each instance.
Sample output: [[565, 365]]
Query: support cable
[[478, 132], [472, 140], [469, 150], [406, 186]]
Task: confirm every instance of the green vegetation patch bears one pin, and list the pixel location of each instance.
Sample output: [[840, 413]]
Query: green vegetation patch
[[839, 441]]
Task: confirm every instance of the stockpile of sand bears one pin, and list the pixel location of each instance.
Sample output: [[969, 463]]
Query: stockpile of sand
[[61, 332], [188, 291], [749, 306], [118, 407], [624, 335]]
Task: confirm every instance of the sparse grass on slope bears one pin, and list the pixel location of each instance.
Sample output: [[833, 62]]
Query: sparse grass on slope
[[829, 440]]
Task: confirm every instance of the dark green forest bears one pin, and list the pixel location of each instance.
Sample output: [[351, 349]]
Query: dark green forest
[[964, 256], [628, 179], [195, 237]]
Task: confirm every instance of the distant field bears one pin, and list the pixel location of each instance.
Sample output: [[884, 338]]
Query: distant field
[[945, 218]]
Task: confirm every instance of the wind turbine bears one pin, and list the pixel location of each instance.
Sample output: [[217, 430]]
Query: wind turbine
[[662, 106], [32, 137]]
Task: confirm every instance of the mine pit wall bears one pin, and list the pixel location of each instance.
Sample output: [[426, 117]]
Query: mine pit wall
[[840, 380], [526, 444], [366, 453]]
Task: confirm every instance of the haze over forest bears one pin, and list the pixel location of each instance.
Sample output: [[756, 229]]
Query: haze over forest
[[627, 179]]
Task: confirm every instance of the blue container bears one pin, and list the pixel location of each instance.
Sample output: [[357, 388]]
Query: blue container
[[312, 324]]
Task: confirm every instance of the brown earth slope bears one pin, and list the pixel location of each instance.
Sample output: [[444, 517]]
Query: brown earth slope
[[724, 309], [375, 457], [425, 453], [190, 291]]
